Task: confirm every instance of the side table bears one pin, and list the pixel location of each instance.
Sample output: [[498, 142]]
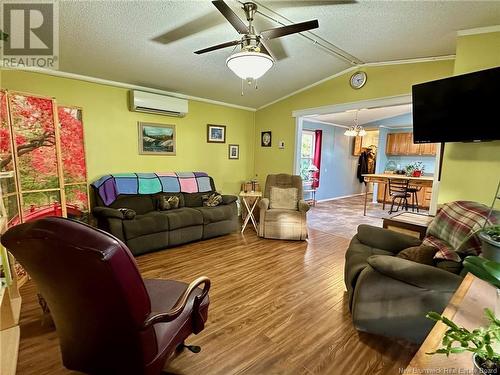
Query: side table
[[312, 200], [409, 223], [250, 207]]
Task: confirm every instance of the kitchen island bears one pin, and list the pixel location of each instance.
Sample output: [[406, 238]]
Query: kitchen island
[[425, 182]]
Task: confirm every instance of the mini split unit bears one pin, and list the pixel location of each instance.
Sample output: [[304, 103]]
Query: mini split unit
[[141, 101]]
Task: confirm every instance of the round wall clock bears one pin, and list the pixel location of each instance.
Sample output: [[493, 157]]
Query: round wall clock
[[358, 80]]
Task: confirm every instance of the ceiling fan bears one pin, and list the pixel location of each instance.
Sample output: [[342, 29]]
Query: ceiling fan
[[255, 57]]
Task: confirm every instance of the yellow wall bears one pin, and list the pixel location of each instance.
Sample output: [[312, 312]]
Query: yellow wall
[[111, 131], [471, 171], [383, 81]]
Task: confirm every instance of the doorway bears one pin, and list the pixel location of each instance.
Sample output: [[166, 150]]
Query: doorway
[[381, 119]]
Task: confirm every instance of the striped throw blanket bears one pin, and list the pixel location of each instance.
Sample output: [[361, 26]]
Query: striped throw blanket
[[109, 187]]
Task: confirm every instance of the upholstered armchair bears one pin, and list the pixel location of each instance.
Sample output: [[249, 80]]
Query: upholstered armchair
[[282, 208], [108, 319], [389, 293]]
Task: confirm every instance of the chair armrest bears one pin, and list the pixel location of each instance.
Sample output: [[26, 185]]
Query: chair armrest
[[107, 212], [303, 206], [228, 199], [180, 305], [385, 239], [264, 204], [416, 274]]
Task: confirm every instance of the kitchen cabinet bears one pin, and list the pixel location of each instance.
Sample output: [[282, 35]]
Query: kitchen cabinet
[[358, 145], [367, 141], [402, 144]]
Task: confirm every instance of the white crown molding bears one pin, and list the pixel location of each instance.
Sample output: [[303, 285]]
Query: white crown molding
[[105, 82], [388, 101], [309, 119], [479, 30], [396, 127], [370, 64]]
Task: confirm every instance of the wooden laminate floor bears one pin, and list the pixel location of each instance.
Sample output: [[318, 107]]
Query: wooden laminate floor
[[277, 307]]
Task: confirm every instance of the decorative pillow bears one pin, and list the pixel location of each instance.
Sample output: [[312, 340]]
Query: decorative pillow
[[213, 200], [420, 254], [285, 198], [163, 204], [127, 213], [166, 202], [173, 201]]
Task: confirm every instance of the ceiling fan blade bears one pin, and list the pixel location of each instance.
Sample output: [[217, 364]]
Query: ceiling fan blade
[[265, 49], [233, 19], [218, 46], [275, 47], [190, 28], [278, 32]]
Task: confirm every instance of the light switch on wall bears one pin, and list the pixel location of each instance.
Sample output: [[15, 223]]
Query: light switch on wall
[[281, 144]]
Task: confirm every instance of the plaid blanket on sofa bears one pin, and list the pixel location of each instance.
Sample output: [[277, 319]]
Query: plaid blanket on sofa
[[451, 229]]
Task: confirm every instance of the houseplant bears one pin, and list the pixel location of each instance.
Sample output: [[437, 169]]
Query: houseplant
[[480, 341], [415, 169], [490, 238]]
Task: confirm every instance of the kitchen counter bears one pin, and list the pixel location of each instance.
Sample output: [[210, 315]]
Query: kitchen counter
[[424, 182], [385, 176]]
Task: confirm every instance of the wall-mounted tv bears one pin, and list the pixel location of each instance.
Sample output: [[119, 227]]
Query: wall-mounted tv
[[464, 108]]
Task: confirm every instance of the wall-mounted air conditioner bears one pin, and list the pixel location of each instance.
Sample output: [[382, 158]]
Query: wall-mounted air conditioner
[[141, 101]]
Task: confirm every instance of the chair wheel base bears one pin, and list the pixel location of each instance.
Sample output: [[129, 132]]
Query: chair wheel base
[[191, 348]]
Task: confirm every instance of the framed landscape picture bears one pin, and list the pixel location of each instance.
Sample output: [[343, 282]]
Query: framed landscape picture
[[216, 133], [234, 151], [156, 139]]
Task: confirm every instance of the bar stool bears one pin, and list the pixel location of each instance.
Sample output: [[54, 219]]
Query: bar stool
[[398, 189], [413, 190]]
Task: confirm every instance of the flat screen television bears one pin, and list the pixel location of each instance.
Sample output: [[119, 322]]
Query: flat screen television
[[464, 108]]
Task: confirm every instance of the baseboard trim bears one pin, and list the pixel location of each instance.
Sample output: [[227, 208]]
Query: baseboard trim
[[335, 198]]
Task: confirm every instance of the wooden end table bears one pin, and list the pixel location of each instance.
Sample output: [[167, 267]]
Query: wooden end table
[[250, 207], [409, 223], [311, 191]]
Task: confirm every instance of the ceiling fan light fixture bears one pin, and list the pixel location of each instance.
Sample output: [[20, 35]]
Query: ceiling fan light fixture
[[249, 65]]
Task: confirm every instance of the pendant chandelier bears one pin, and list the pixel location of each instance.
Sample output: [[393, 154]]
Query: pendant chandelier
[[355, 130]]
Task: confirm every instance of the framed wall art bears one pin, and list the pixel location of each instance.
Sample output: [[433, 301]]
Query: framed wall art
[[234, 151], [156, 139], [216, 133], [266, 139]]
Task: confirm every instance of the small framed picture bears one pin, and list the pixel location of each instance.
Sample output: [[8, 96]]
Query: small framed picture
[[265, 139], [216, 133], [156, 139], [234, 151]]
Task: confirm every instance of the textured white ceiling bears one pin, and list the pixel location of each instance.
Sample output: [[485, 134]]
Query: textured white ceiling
[[365, 116], [114, 40]]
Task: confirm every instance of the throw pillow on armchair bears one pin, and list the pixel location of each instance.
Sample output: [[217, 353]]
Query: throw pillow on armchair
[[283, 198]]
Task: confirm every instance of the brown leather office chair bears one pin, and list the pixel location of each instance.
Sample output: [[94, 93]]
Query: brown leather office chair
[[108, 319]]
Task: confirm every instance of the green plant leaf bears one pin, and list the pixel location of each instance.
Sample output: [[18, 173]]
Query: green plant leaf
[[458, 349], [476, 267], [434, 316]]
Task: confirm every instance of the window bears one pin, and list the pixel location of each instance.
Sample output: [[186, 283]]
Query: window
[[307, 154]]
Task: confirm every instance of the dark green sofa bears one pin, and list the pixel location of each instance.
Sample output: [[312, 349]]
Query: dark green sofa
[[152, 229]]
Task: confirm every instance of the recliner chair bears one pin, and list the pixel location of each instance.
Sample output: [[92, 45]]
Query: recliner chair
[[108, 319], [279, 223], [389, 295]]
